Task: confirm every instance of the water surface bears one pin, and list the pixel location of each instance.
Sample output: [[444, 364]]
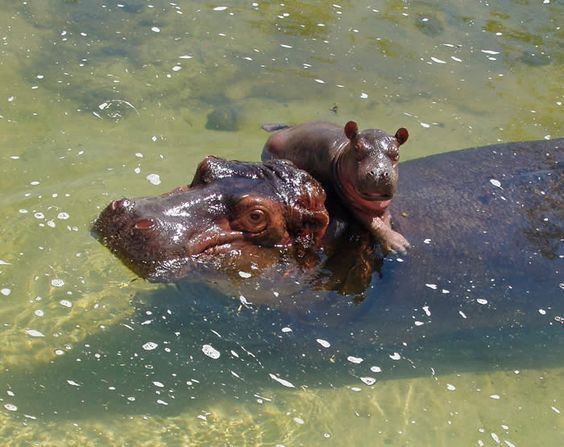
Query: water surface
[[103, 99]]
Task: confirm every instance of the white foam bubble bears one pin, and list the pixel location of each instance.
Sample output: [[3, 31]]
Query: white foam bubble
[[34, 333], [281, 381], [356, 360], [211, 352], [154, 179], [150, 345], [57, 282]]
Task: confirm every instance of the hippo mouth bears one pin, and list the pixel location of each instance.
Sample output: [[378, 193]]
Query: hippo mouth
[[214, 244], [376, 196], [157, 256]]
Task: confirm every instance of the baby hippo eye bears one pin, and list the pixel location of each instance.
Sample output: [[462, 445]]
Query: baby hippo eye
[[394, 155], [361, 150]]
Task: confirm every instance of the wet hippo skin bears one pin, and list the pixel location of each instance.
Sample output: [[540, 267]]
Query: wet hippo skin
[[360, 167], [489, 218], [233, 216], [486, 227], [480, 289], [494, 247]]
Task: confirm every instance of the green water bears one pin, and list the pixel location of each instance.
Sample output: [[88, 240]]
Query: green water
[[95, 96]]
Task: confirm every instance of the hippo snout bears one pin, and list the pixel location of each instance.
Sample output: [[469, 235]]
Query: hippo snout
[[144, 224], [379, 175], [121, 204]]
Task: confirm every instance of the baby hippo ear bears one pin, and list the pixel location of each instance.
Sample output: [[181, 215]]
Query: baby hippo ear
[[351, 130], [402, 135]]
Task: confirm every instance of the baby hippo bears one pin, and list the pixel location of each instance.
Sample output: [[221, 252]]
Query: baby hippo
[[361, 168]]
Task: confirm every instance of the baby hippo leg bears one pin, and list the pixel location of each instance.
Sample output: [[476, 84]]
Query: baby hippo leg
[[391, 241]]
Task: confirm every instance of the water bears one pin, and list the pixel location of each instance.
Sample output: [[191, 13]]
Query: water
[[98, 98]]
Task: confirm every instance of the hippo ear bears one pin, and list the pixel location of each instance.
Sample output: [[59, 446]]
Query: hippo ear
[[402, 135], [351, 130], [308, 218], [204, 171], [313, 227], [213, 168], [316, 223]]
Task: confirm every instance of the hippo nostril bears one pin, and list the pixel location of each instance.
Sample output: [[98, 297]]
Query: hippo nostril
[[144, 224], [120, 204]]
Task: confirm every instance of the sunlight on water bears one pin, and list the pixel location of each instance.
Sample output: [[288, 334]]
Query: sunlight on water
[[108, 99]]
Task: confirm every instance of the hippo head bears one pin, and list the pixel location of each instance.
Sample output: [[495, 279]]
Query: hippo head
[[368, 165], [233, 214]]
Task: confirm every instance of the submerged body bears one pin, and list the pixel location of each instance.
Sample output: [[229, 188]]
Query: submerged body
[[467, 226], [360, 168], [485, 267], [487, 226], [479, 292]]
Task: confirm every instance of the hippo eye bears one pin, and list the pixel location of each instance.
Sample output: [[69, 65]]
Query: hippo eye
[[393, 155], [254, 221], [360, 150], [256, 216]]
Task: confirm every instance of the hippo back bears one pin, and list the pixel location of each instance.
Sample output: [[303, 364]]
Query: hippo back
[[486, 227], [505, 198]]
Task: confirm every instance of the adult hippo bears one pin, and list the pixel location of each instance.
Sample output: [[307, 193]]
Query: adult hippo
[[481, 290], [360, 168], [462, 226], [234, 216]]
